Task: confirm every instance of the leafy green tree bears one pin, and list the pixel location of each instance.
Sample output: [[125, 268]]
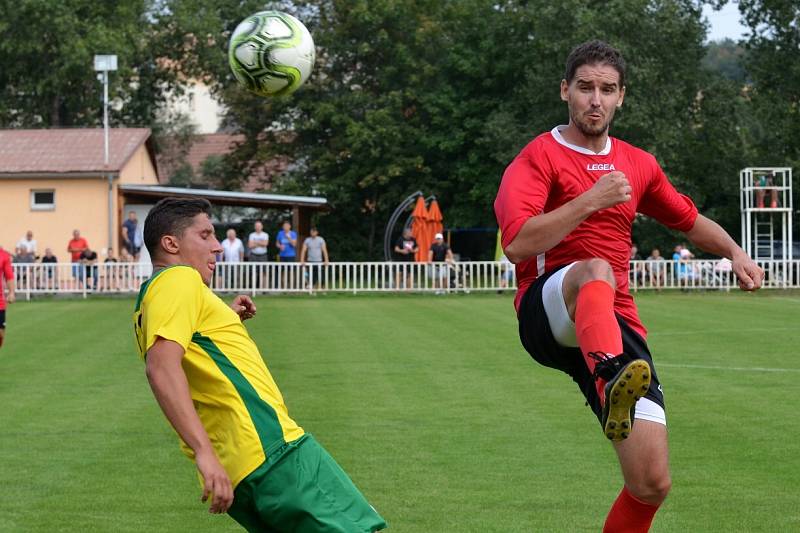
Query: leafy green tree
[[46, 62], [773, 64], [727, 58]]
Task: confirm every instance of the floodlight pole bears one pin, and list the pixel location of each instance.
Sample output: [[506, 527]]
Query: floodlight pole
[[105, 118], [104, 64]]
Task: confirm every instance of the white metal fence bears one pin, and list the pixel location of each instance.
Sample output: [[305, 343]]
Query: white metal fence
[[261, 278]]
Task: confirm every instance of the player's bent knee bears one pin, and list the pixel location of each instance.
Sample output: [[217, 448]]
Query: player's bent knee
[[652, 489], [596, 270]]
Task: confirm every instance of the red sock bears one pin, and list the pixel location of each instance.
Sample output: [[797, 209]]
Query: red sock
[[629, 515], [596, 325]]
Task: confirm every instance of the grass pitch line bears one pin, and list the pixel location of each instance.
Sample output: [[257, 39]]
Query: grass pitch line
[[735, 368], [732, 330]]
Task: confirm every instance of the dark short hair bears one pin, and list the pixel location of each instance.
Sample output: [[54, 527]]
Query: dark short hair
[[171, 216], [592, 53]]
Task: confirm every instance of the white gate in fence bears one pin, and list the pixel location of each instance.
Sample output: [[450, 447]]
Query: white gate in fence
[[355, 277]]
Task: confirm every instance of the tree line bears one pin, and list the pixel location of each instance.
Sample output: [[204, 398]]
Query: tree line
[[435, 95]]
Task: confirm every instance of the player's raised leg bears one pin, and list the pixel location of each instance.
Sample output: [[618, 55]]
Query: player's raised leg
[[645, 467], [588, 289]]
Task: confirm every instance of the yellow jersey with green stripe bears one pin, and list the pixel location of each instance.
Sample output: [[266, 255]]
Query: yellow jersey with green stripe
[[239, 403]]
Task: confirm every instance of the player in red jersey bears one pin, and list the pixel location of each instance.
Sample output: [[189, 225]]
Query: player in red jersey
[[8, 273], [565, 207]]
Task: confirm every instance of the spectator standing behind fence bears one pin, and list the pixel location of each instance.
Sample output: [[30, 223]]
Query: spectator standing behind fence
[[682, 256], [130, 235], [441, 256], [49, 274], [257, 243], [22, 257], [315, 252], [26, 248], [76, 247], [314, 249], [506, 273], [286, 242], [232, 248], [656, 264], [232, 252], [638, 270], [89, 262], [111, 271], [405, 248]]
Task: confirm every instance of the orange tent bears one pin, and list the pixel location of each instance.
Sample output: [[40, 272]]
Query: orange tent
[[419, 228]]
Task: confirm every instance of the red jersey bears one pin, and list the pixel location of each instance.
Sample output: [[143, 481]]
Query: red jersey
[[550, 172], [5, 272]]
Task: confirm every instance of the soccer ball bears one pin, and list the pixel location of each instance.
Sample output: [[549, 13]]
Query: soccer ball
[[271, 53]]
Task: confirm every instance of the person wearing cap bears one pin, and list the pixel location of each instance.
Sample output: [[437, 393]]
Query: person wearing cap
[[441, 253]]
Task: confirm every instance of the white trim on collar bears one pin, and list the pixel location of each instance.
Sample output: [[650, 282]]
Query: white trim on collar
[[556, 133]]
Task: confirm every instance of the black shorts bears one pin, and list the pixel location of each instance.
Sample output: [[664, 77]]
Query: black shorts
[[3, 319], [132, 249], [538, 340]]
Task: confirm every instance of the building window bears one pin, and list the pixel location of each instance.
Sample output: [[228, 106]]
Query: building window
[[43, 200]]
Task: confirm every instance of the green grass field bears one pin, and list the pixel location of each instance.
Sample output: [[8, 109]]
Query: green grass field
[[428, 402]]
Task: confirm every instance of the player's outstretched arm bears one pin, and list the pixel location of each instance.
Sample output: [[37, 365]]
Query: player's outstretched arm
[[171, 389], [709, 236], [542, 232]]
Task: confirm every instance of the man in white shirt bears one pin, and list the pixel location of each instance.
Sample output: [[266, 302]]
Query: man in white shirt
[[257, 243], [26, 247], [232, 248], [232, 252]]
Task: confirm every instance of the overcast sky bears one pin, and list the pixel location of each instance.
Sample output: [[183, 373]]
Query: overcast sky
[[724, 23]]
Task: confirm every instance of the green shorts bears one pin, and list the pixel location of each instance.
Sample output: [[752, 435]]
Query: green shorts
[[300, 488]]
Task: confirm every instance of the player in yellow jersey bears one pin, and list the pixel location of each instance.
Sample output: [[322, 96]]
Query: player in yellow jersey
[[208, 376]]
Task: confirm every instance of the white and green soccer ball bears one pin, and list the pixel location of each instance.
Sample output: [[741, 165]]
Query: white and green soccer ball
[[271, 53]]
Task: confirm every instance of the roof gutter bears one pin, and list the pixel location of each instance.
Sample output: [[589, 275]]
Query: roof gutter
[[99, 174]]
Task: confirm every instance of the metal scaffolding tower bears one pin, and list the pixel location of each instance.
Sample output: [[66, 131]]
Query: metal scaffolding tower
[[766, 201]]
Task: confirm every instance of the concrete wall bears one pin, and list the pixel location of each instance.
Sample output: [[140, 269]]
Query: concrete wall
[[80, 204], [139, 170]]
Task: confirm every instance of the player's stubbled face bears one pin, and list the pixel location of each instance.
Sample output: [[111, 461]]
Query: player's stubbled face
[[199, 247], [593, 96]]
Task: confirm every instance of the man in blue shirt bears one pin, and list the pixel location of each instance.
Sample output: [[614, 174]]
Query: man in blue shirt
[[129, 228], [287, 243]]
